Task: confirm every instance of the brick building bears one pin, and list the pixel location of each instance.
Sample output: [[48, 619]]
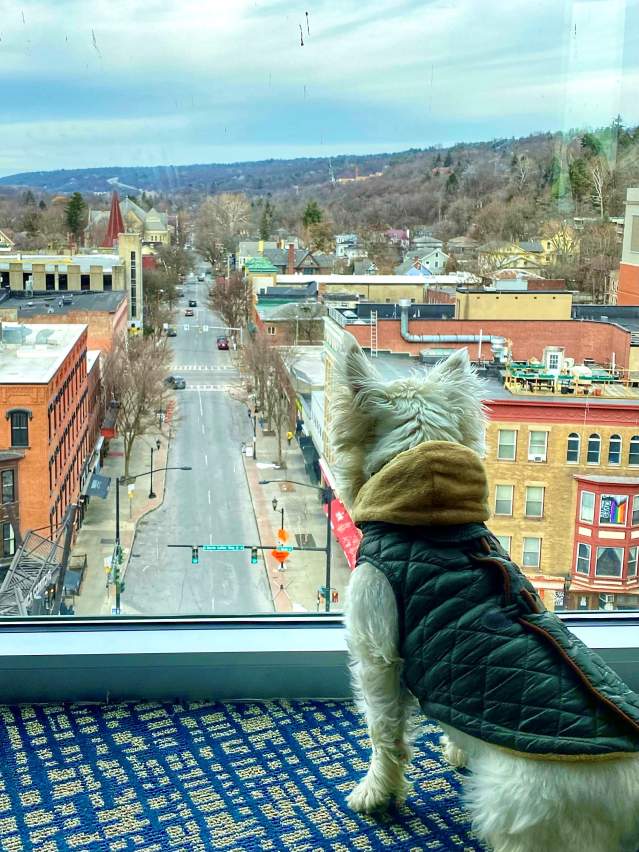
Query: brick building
[[48, 413], [628, 281], [10, 505]]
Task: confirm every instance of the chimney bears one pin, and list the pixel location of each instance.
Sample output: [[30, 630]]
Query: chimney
[[290, 268]]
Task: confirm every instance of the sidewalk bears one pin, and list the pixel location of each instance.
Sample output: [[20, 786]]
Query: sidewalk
[[295, 588], [96, 538]]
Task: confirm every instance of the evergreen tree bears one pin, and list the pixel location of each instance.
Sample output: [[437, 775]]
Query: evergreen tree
[[75, 214], [42, 205], [312, 214], [452, 184], [266, 221], [28, 197], [591, 145], [448, 160], [579, 178]]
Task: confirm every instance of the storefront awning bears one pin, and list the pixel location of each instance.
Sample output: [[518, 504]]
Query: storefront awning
[[99, 486], [344, 531]]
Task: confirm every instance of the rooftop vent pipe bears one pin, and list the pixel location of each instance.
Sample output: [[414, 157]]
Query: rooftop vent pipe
[[497, 344]]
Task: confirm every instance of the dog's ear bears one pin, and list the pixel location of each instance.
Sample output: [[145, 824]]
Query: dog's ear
[[356, 370], [458, 362]]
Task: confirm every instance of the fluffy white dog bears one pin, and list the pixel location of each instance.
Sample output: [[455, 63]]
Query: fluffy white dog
[[409, 467]]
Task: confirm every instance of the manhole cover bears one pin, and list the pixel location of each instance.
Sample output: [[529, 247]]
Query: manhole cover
[[107, 541], [305, 540]]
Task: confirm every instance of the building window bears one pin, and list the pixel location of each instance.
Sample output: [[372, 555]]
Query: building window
[[587, 508], [537, 444], [613, 509], [632, 561], [507, 444], [574, 445], [609, 562], [553, 360], [8, 487], [594, 449], [635, 510], [504, 541], [503, 499], [85, 282], [8, 540], [583, 559], [534, 501], [531, 552], [633, 452], [270, 329], [614, 450], [19, 429]]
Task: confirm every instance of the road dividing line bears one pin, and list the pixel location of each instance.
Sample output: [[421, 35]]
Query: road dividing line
[[206, 460], [200, 398], [202, 428], [209, 498], [210, 538]]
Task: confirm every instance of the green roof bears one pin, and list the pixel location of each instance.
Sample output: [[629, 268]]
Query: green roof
[[259, 264]]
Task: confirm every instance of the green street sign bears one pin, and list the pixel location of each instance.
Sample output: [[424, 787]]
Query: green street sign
[[222, 547], [285, 547]]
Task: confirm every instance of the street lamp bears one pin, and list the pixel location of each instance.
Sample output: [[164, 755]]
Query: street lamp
[[120, 480], [274, 503], [328, 495], [152, 493]]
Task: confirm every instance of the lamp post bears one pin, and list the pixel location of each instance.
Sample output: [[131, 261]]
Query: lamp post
[[152, 493], [274, 503], [119, 480], [328, 495]]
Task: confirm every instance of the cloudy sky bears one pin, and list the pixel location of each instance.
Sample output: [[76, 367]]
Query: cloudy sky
[[125, 82]]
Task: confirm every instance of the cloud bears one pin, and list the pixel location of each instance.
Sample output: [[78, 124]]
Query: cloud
[[199, 79]]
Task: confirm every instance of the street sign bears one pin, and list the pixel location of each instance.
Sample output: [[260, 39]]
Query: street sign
[[131, 491], [222, 547]]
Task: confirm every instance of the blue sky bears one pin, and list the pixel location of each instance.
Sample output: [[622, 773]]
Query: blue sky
[[126, 82]]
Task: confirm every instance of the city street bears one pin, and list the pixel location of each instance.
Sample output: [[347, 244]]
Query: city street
[[210, 504]]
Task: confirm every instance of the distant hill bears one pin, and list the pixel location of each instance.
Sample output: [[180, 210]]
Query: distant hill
[[252, 177]]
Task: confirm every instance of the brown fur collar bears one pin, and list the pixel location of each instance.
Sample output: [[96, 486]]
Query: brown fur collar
[[437, 482]]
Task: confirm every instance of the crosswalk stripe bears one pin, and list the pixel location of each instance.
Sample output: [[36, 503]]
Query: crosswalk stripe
[[205, 388], [209, 368]]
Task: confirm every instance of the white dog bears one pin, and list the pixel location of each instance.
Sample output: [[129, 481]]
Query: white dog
[[523, 795]]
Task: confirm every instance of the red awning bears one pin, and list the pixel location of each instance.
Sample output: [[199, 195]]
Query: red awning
[[344, 531]]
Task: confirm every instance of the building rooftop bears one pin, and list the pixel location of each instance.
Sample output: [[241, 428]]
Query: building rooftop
[[85, 261], [32, 354], [49, 302]]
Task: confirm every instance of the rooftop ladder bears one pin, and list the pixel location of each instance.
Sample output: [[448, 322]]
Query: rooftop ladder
[[373, 334]]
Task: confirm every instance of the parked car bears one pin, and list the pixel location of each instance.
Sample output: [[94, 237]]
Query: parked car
[[192, 303], [222, 343], [189, 312], [171, 332], [176, 382], [200, 277]]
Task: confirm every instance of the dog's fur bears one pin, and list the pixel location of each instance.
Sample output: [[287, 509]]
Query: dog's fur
[[517, 804]]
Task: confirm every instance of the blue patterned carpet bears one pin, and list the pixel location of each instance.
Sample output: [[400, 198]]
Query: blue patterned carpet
[[251, 776]]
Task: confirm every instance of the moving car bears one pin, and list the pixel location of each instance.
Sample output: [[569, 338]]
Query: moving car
[[176, 382], [171, 332], [189, 312], [200, 277], [222, 343], [192, 303]]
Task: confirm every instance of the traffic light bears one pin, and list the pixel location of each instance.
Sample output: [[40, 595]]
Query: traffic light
[[254, 556], [195, 556]]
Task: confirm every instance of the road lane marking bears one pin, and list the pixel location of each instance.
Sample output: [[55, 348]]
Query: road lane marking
[[206, 460], [209, 498], [210, 538], [200, 399], [202, 428]]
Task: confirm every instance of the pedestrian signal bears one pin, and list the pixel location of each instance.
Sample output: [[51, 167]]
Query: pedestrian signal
[[195, 556], [254, 556]]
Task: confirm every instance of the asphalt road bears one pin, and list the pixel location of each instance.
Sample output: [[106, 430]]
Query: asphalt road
[[210, 504]]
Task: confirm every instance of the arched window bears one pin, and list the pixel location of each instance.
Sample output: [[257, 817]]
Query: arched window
[[594, 449], [19, 418], [572, 451], [614, 450], [633, 452]]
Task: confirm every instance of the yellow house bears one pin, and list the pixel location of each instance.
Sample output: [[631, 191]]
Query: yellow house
[[499, 254]]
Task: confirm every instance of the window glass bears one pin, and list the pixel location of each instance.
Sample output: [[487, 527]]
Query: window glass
[[632, 561], [503, 499], [633, 452], [609, 562], [614, 450], [537, 446], [572, 450], [594, 449], [635, 509], [613, 509], [531, 552], [583, 558], [8, 489], [505, 541], [8, 540], [534, 501], [507, 444], [19, 429], [587, 509]]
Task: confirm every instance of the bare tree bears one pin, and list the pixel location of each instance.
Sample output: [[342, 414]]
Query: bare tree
[[600, 182], [134, 374], [220, 220], [233, 301], [306, 321]]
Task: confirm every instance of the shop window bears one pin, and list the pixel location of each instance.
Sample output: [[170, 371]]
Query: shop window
[[531, 552], [507, 444], [8, 540], [8, 487], [633, 452], [594, 449], [587, 507], [632, 561], [574, 446], [583, 559], [537, 446], [614, 450], [635, 510], [613, 509], [503, 499], [609, 562], [534, 501], [505, 542]]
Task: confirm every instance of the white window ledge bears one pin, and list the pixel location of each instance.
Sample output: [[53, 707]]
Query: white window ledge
[[224, 659]]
